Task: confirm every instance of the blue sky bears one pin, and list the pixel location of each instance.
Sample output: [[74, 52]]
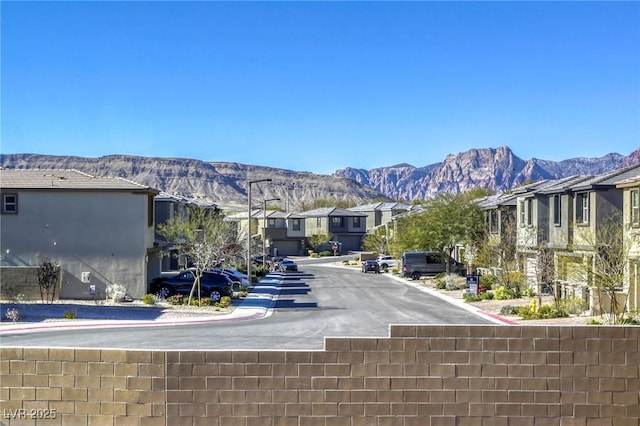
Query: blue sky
[[318, 86]]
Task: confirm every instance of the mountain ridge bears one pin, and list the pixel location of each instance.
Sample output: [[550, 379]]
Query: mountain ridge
[[225, 183]]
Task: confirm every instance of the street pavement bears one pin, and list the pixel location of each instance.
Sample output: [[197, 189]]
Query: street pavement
[[259, 303]]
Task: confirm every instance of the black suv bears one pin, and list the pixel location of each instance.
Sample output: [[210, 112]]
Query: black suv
[[212, 285]]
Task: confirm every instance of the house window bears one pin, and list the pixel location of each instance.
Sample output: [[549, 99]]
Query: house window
[[150, 214], [337, 222], [10, 203], [271, 223], [493, 221], [556, 210], [356, 222], [522, 214], [635, 207], [528, 215], [582, 208], [319, 222], [296, 224]]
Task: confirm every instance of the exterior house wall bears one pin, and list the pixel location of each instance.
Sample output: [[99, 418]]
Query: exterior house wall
[[311, 226], [296, 233], [559, 235], [387, 216], [372, 220], [632, 238], [526, 228], [584, 233], [100, 234]]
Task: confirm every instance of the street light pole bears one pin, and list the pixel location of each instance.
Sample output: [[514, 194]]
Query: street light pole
[[264, 228], [249, 226]]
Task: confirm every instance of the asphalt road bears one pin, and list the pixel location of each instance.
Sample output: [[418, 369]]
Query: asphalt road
[[322, 301]]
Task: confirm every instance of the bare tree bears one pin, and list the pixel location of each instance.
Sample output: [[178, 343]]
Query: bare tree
[[48, 278], [499, 256], [205, 239], [546, 274], [607, 265]]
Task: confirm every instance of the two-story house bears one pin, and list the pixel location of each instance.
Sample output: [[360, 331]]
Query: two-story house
[[597, 205], [346, 227], [99, 230], [380, 214], [168, 207], [283, 234], [631, 228]]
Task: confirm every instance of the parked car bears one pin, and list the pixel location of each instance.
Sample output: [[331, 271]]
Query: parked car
[[213, 285], [386, 262], [288, 266], [370, 266], [418, 263], [234, 274]]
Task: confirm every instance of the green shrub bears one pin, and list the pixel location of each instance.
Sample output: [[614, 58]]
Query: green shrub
[[629, 318], [149, 299], [176, 299], [508, 310], [488, 281], [529, 292], [326, 253], [532, 311], [470, 297], [69, 315], [439, 283], [573, 304], [224, 302], [503, 293], [487, 295], [204, 301]]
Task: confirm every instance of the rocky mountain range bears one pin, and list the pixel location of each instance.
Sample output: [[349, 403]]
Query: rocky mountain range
[[225, 184], [498, 169]]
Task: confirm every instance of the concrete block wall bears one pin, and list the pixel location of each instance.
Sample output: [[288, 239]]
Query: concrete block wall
[[419, 375], [21, 282]]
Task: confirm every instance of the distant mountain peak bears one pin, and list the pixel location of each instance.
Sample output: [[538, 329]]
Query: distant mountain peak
[[224, 183]]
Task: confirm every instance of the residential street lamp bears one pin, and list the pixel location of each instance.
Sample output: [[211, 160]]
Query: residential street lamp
[[264, 228], [249, 226]]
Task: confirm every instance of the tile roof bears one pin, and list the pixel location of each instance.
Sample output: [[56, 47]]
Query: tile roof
[[40, 179], [330, 211], [380, 206], [609, 179], [564, 184]]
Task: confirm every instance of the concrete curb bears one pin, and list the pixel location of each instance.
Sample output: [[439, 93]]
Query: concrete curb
[[257, 304], [497, 319]]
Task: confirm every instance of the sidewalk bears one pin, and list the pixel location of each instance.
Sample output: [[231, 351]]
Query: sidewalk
[[39, 316], [489, 309]]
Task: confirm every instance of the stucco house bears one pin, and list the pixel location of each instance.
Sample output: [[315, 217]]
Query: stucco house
[[166, 208], [99, 230], [347, 228], [380, 214], [596, 204], [543, 212], [631, 227]]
